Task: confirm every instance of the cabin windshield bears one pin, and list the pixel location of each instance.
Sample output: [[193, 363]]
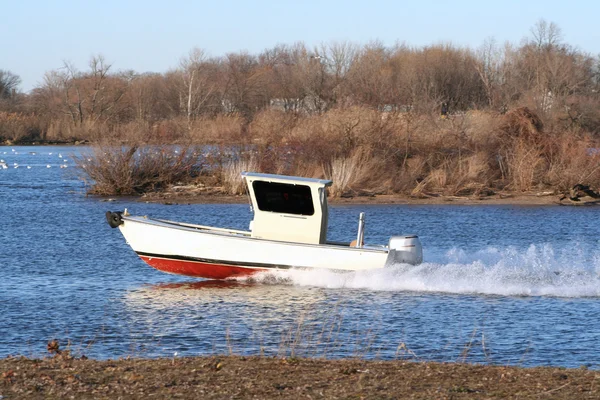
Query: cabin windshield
[[283, 198]]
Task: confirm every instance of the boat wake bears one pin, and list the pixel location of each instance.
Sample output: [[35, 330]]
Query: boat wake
[[539, 270]]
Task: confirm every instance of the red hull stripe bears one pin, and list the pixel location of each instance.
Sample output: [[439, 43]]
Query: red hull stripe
[[212, 261], [199, 269]]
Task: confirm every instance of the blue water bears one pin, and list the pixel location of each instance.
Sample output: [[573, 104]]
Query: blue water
[[500, 284]]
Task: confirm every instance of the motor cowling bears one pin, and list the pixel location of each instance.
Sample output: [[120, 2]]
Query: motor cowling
[[405, 249]]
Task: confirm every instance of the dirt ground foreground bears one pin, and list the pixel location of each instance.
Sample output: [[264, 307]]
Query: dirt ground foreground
[[235, 377]]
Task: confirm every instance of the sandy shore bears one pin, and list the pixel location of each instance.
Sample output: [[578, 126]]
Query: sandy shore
[[266, 378]]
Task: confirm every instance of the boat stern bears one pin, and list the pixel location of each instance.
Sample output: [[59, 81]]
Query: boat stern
[[405, 250]]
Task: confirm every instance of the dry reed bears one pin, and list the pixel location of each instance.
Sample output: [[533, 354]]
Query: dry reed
[[232, 179]]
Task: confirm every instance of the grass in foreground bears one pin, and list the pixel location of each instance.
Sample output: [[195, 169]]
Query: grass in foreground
[[263, 377]]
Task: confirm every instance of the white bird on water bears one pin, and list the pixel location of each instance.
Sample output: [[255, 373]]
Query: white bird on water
[[48, 166]]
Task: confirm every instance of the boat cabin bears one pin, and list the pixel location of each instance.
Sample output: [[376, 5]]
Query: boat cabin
[[286, 208]]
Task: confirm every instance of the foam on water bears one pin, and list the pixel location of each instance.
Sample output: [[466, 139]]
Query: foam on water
[[539, 270]]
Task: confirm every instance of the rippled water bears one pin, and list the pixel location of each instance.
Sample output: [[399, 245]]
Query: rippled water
[[500, 284]]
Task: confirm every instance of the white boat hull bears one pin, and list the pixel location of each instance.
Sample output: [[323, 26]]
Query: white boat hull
[[214, 253]]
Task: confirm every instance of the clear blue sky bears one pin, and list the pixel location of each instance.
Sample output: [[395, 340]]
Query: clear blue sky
[[37, 35]]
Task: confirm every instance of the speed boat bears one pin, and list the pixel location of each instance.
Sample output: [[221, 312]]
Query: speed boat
[[288, 230]]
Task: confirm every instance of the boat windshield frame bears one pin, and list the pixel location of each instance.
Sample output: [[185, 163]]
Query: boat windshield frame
[[301, 202]]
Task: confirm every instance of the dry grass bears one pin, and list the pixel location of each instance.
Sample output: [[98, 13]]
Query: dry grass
[[354, 171], [272, 126], [363, 150], [526, 164], [231, 172], [18, 127], [222, 129], [574, 160]]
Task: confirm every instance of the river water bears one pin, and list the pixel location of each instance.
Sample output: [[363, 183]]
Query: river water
[[509, 285]]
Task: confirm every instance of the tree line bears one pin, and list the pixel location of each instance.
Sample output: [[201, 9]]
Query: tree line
[[554, 79]]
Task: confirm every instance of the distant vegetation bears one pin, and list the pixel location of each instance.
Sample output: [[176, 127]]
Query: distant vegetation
[[434, 119]]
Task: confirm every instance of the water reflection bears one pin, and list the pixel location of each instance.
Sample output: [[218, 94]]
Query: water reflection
[[230, 292], [197, 285]]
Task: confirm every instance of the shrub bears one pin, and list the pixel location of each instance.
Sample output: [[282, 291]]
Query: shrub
[[134, 169]]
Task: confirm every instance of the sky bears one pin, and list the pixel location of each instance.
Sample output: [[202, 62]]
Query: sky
[[37, 36]]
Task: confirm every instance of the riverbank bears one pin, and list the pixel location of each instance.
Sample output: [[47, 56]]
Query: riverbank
[[187, 195], [264, 377]]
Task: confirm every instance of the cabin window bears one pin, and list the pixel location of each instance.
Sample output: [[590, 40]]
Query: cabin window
[[283, 198]]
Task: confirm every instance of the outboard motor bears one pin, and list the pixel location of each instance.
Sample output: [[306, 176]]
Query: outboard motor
[[405, 250]]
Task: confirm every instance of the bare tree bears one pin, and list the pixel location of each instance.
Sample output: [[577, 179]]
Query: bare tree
[[9, 83], [94, 96], [546, 35], [198, 78], [487, 65], [339, 57], [316, 82], [245, 89], [369, 77], [99, 103], [73, 103], [549, 70], [285, 65], [148, 97]]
